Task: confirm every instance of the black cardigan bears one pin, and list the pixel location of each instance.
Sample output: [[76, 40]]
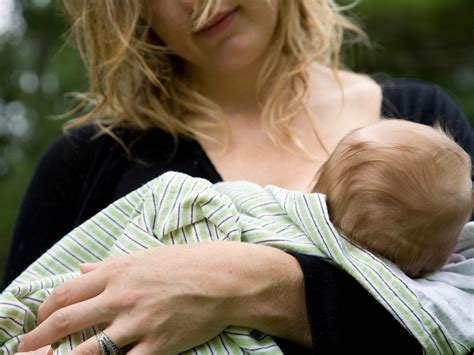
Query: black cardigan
[[86, 174]]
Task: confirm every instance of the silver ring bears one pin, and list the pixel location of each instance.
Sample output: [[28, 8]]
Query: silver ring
[[107, 346]]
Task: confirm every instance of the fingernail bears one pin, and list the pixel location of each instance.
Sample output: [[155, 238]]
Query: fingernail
[[84, 266]]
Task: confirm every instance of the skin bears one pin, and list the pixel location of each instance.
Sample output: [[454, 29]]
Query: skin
[[46, 350], [248, 36], [178, 301], [252, 156]]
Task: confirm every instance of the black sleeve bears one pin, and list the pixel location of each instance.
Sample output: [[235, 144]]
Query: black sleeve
[[345, 318], [43, 217], [54, 202]]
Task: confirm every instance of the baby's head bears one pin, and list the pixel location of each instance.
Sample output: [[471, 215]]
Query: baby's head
[[401, 190]]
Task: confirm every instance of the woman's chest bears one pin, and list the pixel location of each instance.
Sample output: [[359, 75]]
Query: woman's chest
[[253, 156], [260, 161]]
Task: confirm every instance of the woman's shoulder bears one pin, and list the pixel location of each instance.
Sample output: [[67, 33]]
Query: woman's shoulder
[[358, 93], [416, 100], [77, 148], [411, 99], [88, 142], [90, 165], [80, 139], [84, 152], [342, 81], [76, 155], [361, 90]]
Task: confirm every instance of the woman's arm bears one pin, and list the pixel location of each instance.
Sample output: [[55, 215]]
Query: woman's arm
[[344, 318], [170, 299]]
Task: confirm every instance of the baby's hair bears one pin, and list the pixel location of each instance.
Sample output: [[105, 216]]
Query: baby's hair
[[406, 201]]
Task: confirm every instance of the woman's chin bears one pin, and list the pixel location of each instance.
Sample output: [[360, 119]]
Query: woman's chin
[[238, 55]]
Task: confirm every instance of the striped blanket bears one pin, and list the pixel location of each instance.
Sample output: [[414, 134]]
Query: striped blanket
[[175, 208]]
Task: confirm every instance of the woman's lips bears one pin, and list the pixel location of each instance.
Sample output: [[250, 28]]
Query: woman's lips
[[217, 24]]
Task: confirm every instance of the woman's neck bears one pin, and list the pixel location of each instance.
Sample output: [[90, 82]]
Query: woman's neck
[[233, 91]]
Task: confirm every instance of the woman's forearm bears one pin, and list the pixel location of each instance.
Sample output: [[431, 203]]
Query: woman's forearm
[[175, 298], [270, 295]]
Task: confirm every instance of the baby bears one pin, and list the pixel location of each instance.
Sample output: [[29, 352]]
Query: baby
[[401, 190]]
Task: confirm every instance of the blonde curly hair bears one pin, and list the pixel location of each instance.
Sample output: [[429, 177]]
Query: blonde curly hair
[[135, 82]]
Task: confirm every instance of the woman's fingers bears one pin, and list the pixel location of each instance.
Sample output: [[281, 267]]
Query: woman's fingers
[[73, 291], [63, 322], [158, 302], [91, 345], [145, 348], [88, 267], [46, 350]]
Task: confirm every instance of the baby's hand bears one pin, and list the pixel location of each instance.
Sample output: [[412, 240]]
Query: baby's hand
[[46, 350]]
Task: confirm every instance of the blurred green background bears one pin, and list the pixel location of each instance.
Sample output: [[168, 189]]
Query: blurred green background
[[431, 40]]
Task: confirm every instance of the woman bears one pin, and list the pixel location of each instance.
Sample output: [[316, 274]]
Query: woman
[[225, 90]]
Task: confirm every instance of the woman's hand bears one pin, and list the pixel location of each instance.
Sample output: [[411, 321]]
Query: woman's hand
[[45, 350], [170, 299]]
